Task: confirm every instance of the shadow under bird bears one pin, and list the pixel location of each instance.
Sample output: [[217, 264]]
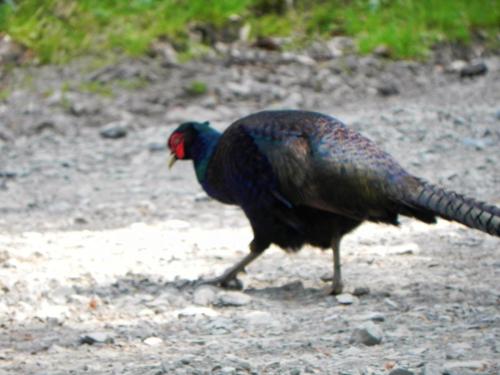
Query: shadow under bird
[[305, 178]]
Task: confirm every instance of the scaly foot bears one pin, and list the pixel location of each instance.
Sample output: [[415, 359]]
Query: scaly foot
[[227, 283], [336, 288]]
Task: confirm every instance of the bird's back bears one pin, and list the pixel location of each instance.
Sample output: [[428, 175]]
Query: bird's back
[[316, 161]]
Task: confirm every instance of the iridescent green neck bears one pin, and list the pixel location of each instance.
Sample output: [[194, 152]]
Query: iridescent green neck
[[203, 149]]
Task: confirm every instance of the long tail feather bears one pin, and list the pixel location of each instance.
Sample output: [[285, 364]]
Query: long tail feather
[[452, 206]]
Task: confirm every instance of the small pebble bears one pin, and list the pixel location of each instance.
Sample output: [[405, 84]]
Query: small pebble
[[458, 366], [375, 316], [457, 350], [431, 369], [153, 341], [54, 348], [368, 334], [387, 89], [456, 66], [405, 249], [186, 360], [473, 70], [113, 131], [304, 60], [195, 311], [156, 147], [383, 51], [345, 299], [237, 362], [204, 295], [7, 174], [267, 43], [202, 197], [80, 220], [257, 319], [233, 299], [389, 302], [96, 338], [55, 313], [401, 371], [361, 291]]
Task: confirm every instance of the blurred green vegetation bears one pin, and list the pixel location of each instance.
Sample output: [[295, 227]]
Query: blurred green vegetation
[[58, 30], [196, 88]]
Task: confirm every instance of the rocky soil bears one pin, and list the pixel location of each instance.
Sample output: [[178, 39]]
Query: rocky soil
[[100, 243]]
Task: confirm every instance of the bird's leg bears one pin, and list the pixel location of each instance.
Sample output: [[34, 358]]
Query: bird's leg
[[229, 278], [337, 285]]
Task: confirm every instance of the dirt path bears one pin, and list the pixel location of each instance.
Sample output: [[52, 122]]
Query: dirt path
[[99, 242]]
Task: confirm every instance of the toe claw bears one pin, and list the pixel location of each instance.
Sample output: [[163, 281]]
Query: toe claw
[[233, 283]]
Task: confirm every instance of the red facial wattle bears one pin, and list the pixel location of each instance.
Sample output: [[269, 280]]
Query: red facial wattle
[[179, 150], [176, 145]]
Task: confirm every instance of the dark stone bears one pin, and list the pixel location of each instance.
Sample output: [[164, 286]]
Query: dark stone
[[96, 338], [157, 147], [8, 174], [44, 126], [473, 70], [401, 371], [382, 51], [387, 89], [80, 220], [113, 132], [267, 43], [361, 291]]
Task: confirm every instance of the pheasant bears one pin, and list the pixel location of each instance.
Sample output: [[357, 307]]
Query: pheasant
[[306, 178]]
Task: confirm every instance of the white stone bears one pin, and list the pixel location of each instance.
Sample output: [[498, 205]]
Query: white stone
[[196, 311], [153, 341], [346, 299], [204, 295]]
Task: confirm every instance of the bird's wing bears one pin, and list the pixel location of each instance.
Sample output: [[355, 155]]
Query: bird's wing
[[335, 169]]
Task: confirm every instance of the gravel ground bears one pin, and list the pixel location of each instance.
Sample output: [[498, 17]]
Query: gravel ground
[[100, 243]]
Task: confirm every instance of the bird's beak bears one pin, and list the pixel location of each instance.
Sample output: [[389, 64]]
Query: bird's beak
[[172, 160]]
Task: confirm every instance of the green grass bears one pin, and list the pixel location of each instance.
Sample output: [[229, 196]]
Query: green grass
[[93, 87], [131, 83], [4, 94], [107, 89], [196, 88], [58, 30]]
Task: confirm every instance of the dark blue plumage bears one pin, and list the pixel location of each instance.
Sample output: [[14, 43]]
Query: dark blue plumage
[[304, 177]]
